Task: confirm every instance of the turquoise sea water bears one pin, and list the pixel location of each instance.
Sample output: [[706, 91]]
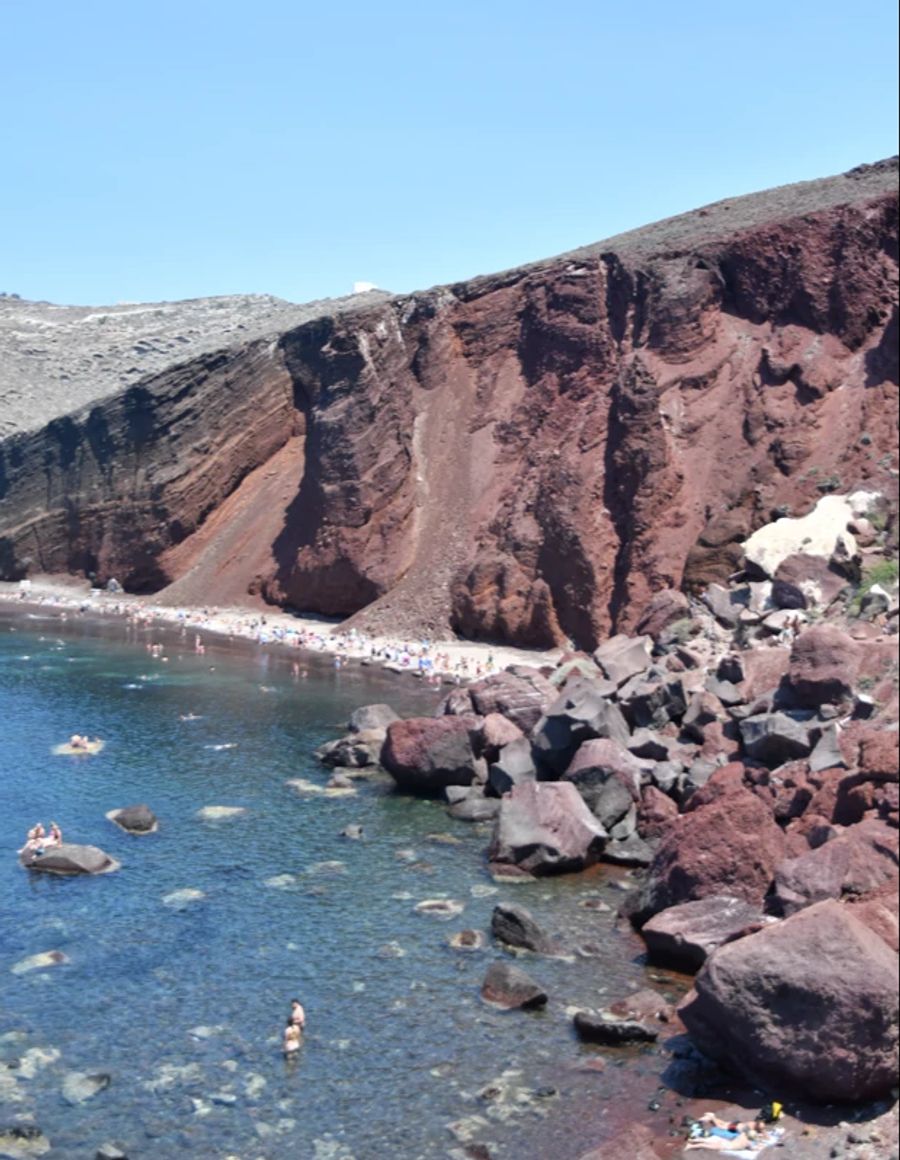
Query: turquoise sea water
[[183, 1006]]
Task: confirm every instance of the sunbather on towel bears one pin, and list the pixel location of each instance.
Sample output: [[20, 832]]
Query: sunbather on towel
[[715, 1135]]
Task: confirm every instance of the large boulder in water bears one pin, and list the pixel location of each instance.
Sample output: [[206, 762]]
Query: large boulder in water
[[806, 1006], [545, 828], [426, 754], [71, 859], [138, 819]]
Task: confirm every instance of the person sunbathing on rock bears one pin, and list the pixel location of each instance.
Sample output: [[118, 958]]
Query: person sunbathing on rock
[[34, 840], [54, 838]]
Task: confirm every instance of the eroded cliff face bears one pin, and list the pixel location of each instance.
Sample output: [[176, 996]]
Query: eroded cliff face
[[525, 457]]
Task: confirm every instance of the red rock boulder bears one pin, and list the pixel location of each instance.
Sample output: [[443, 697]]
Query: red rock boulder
[[858, 861], [683, 937], [426, 754], [656, 813], [521, 696], [823, 666], [665, 608], [730, 846], [807, 1006], [632, 1143], [546, 828]]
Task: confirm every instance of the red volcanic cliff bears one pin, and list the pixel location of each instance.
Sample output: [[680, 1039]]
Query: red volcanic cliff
[[525, 457]]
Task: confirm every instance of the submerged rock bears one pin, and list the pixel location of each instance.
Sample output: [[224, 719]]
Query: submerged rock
[[39, 962], [179, 899], [21, 1141], [79, 1086], [220, 813]]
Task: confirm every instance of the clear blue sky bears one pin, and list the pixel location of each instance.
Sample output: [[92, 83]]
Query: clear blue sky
[[175, 149]]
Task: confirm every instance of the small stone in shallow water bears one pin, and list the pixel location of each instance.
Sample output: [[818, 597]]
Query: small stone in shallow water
[[220, 813], [110, 1151], [223, 1099], [439, 907], [39, 962], [20, 1141], [280, 881], [253, 1085], [179, 899], [79, 1086], [327, 868], [391, 950], [467, 940], [207, 1032], [36, 1059], [482, 890]]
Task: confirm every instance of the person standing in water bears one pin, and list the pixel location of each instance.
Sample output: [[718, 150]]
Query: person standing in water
[[291, 1040], [298, 1015]]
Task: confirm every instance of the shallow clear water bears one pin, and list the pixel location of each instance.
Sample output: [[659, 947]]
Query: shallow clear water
[[399, 1042]]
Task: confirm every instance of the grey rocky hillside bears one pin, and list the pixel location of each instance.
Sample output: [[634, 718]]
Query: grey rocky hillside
[[56, 359]]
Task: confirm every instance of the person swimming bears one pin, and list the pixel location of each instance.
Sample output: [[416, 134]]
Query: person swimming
[[292, 1039]]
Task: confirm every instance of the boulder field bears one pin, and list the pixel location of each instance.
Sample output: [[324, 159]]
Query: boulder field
[[746, 768], [526, 457]]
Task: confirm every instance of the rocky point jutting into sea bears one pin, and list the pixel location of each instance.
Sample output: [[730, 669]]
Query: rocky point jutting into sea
[[671, 457]]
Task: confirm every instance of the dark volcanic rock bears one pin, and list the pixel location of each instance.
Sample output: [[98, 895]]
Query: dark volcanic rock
[[608, 778], [611, 1031], [71, 859], [545, 828], [371, 717], [578, 715], [807, 1006], [510, 987], [514, 765], [684, 936], [774, 738], [135, 819], [426, 754], [515, 926]]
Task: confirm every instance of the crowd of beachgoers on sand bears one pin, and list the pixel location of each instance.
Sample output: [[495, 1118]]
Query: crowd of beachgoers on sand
[[436, 662]]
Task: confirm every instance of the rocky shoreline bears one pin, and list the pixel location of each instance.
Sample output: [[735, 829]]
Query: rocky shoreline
[[739, 751]]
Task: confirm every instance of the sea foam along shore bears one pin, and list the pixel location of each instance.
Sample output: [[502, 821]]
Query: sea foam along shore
[[448, 661]]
